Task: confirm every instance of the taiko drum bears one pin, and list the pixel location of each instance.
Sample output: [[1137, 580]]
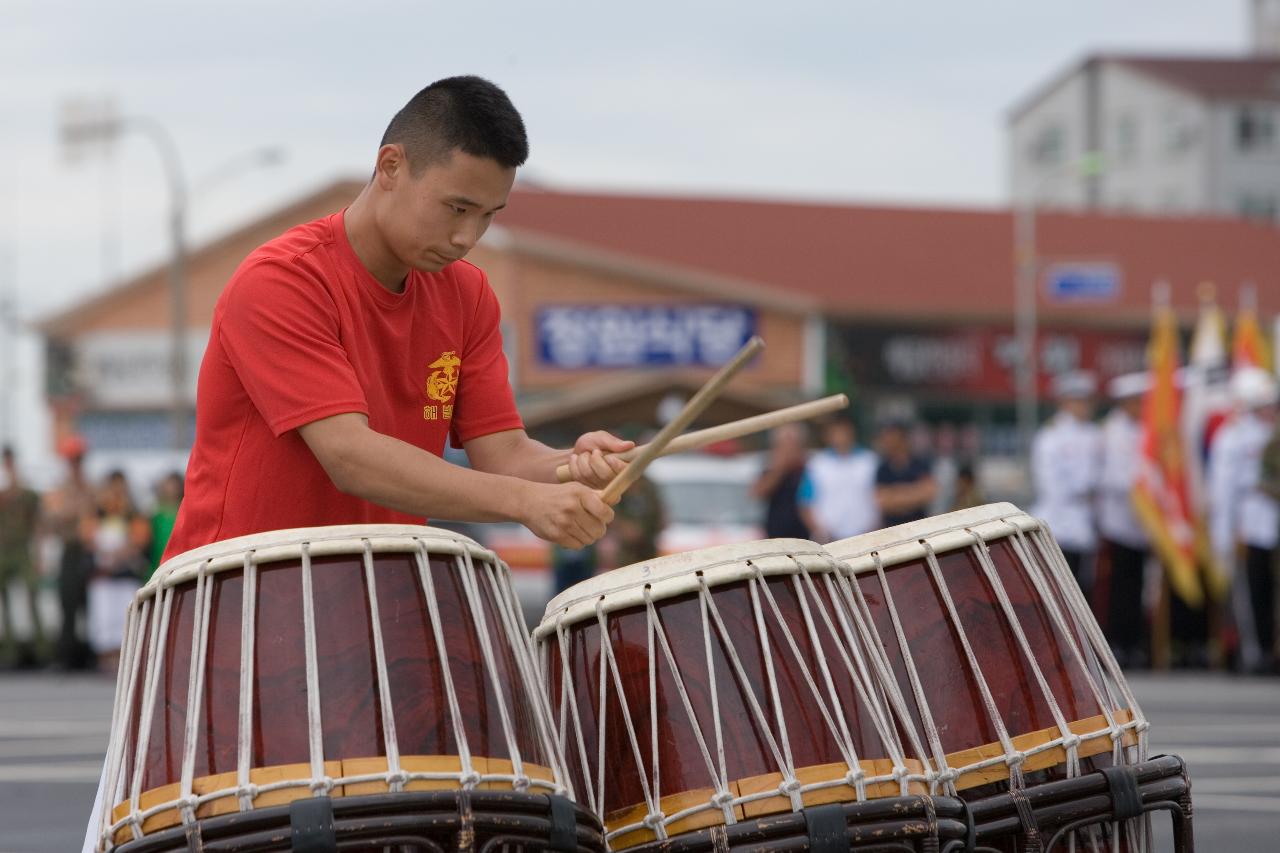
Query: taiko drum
[[715, 687], [340, 661]]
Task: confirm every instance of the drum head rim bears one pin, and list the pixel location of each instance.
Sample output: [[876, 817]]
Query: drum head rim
[[294, 538], [913, 531], [616, 583]]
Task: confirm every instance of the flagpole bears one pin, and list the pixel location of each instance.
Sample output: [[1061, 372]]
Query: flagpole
[[1161, 627]]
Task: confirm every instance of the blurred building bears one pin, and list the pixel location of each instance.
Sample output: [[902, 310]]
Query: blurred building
[[1176, 134], [614, 306]]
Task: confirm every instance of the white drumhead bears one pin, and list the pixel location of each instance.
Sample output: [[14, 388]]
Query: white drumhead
[[677, 574], [276, 545], [947, 532]]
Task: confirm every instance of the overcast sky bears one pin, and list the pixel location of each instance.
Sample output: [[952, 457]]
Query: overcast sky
[[862, 100]]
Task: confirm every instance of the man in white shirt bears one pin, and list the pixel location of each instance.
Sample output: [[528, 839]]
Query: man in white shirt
[[1244, 521], [837, 494], [1124, 539], [1065, 464]]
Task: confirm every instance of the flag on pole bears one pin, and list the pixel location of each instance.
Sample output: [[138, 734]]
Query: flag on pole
[[1206, 405], [1249, 346], [1160, 493]]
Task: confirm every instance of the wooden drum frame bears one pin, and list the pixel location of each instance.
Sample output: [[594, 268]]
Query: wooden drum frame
[[356, 662], [994, 660], [734, 683]]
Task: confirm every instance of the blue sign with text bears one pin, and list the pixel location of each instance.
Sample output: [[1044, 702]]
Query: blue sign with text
[[584, 336], [1082, 283]]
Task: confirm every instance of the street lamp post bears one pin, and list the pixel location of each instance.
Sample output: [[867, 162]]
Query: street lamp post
[[1026, 318], [81, 128]]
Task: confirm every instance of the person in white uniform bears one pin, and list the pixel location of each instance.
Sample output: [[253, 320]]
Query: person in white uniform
[[1066, 457], [837, 495], [1244, 521], [1123, 538]]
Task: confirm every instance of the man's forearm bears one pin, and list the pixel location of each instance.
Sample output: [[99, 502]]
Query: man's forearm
[[518, 455], [397, 475]]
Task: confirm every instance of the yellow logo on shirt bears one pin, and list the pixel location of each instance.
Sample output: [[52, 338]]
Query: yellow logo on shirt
[[442, 386]]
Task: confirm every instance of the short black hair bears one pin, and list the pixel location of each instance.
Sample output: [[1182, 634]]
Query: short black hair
[[467, 113]]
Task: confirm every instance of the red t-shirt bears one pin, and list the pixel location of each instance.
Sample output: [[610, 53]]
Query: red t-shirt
[[302, 332]]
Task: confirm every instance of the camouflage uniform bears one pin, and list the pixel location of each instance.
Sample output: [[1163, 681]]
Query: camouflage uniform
[[639, 518], [19, 513]]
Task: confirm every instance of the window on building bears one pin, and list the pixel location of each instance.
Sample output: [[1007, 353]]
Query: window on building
[[1255, 129], [1258, 206], [1048, 146], [1179, 132], [1127, 138]]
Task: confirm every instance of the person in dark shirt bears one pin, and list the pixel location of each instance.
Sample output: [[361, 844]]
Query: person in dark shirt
[[904, 481], [779, 483]]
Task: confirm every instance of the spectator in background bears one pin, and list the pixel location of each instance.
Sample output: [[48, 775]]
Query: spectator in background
[[19, 516], [117, 536], [638, 520], [64, 509], [1244, 521], [837, 494], [163, 516], [1066, 455], [905, 486], [1124, 539], [779, 485], [966, 494]]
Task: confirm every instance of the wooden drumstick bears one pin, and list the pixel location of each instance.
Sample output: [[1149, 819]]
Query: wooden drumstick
[[697, 405], [734, 429]]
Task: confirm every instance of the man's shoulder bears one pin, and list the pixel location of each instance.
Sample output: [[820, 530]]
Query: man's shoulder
[[297, 254], [299, 241]]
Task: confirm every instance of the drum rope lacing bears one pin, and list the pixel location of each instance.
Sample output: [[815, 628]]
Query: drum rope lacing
[[113, 777], [195, 690], [848, 641], [246, 791], [939, 777], [135, 819], [1139, 830], [1069, 741], [321, 782]]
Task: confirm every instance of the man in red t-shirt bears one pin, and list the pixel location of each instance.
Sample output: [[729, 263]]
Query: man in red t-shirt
[[345, 352]]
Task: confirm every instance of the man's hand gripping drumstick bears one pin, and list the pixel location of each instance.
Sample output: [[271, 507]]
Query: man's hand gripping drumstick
[[696, 406], [724, 432]]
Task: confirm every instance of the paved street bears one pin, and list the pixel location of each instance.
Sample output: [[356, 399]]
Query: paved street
[[53, 732]]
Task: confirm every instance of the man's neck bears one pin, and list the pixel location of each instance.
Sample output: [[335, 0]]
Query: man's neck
[[371, 250]]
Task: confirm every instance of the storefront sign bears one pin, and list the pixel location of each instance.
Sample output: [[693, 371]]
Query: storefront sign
[[630, 336], [1082, 283], [979, 362], [132, 370]]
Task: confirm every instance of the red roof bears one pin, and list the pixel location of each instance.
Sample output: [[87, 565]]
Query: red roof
[[1212, 77], [922, 263]]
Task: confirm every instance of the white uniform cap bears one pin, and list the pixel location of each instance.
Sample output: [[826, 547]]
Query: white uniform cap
[[1253, 388], [1129, 385], [1074, 385]]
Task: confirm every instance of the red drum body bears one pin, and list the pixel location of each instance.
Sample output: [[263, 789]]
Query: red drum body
[[716, 687], [331, 661], [994, 658]]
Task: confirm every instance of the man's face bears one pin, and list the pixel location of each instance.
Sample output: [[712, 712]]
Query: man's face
[[840, 436], [1081, 409], [437, 216]]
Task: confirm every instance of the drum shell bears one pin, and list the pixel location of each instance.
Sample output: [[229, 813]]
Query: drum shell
[[191, 608], [1060, 649], [754, 599]]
